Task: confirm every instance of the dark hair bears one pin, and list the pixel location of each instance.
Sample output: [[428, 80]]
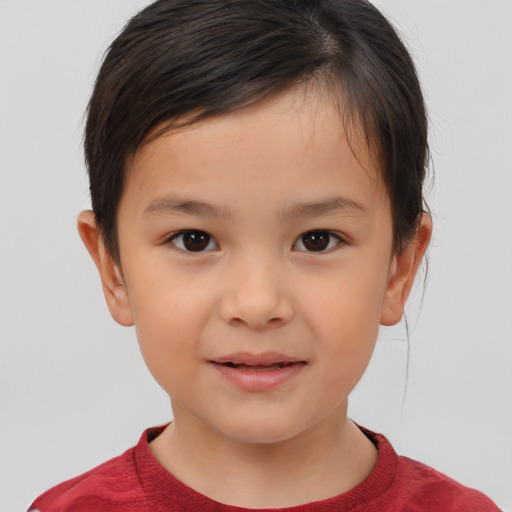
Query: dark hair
[[204, 58]]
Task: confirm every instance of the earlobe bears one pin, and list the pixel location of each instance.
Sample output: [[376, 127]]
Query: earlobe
[[112, 280], [403, 270]]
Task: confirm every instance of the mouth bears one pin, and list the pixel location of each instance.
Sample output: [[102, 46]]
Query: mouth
[[258, 372], [258, 367], [257, 362]]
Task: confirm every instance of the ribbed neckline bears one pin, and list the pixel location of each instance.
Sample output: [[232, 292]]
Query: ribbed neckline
[[160, 485]]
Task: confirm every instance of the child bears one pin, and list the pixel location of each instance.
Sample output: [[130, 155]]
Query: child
[[256, 172]]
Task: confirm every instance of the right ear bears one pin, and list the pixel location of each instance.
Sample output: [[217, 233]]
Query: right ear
[[111, 274]]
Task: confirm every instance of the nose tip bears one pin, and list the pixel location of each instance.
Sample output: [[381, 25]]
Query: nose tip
[[257, 324], [258, 306], [256, 291]]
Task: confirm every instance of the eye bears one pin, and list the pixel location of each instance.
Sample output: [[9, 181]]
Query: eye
[[317, 241], [193, 241]]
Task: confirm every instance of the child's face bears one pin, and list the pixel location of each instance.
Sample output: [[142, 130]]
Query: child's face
[[286, 257]]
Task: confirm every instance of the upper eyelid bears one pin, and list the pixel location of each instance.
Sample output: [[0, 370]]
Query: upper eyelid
[[332, 232], [184, 231], [320, 230]]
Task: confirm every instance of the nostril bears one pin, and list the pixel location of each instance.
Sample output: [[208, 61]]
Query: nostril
[[258, 323], [256, 311]]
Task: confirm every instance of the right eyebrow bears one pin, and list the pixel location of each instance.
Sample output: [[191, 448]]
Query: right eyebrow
[[175, 206]]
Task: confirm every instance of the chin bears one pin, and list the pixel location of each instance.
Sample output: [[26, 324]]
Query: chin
[[261, 431]]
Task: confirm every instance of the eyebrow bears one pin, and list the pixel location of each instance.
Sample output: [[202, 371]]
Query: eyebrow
[[332, 205], [171, 206]]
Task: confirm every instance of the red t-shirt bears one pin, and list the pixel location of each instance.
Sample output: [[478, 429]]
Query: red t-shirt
[[135, 481]]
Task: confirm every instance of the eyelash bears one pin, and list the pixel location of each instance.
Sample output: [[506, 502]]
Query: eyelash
[[176, 236], [322, 232], [195, 232]]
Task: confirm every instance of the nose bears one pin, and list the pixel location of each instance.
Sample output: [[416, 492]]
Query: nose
[[256, 294]]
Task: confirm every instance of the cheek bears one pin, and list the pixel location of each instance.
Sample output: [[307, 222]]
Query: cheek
[[344, 318], [348, 308], [164, 300], [169, 316]]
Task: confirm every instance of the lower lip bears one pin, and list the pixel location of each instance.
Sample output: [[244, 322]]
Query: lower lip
[[259, 380]]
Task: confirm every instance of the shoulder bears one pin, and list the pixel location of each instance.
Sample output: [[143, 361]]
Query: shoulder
[[113, 486], [419, 484], [406, 485]]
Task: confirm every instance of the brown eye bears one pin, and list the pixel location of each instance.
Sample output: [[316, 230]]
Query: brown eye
[[317, 241], [193, 241]]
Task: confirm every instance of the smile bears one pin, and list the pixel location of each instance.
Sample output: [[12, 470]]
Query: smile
[[258, 368], [257, 372]]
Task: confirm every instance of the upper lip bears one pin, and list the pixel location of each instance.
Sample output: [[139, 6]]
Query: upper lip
[[252, 359]]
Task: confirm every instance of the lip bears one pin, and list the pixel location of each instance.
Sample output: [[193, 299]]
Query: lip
[[262, 359], [235, 368]]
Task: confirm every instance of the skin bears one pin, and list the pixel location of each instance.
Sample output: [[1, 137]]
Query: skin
[[258, 288]]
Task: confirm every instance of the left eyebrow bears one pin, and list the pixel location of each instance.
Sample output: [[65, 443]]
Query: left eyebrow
[[332, 205]]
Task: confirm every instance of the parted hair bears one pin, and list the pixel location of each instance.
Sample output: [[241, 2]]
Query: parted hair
[[197, 59]]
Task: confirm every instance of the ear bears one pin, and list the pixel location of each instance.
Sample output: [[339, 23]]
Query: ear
[[402, 272], [111, 273]]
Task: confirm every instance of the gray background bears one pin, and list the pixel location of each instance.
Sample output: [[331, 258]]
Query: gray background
[[73, 388]]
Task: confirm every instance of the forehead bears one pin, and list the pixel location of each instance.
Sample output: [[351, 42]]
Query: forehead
[[290, 143]]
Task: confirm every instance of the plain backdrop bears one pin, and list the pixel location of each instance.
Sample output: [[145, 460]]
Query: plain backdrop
[[74, 390]]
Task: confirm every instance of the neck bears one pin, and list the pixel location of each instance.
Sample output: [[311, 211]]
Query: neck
[[330, 458]]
